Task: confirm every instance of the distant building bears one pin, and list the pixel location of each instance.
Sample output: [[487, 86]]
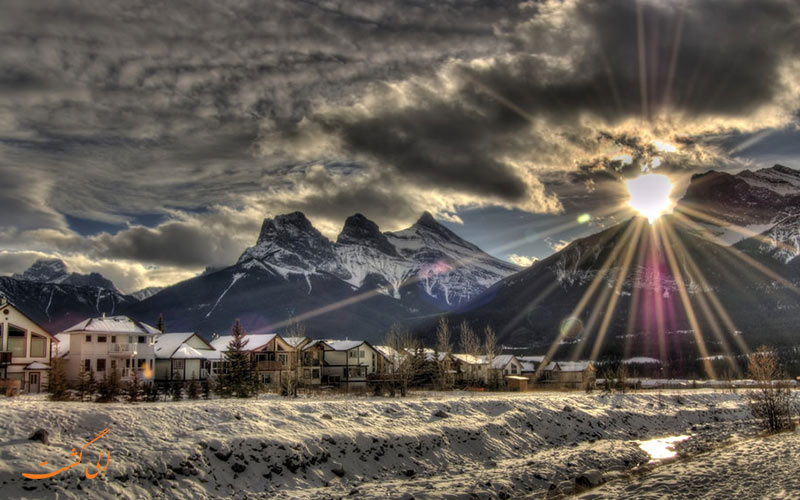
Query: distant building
[[183, 356], [110, 343], [349, 362], [568, 374], [25, 350]]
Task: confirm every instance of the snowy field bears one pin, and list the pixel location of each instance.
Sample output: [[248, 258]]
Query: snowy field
[[454, 445]]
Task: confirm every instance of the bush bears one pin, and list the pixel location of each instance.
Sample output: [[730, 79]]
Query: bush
[[771, 401]]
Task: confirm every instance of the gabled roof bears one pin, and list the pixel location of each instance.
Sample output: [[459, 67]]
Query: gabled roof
[[530, 359], [470, 359], [62, 347], [296, 341], [315, 343], [36, 365], [344, 345], [254, 341], [113, 324], [500, 361], [528, 366], [574, 366], [187, 352], [167, 344], [4, 302]]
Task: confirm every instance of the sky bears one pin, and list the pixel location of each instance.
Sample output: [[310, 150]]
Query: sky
[[148, 140]]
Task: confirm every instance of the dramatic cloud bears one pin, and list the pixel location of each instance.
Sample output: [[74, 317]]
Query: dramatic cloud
[[522, 260], [160, 135]]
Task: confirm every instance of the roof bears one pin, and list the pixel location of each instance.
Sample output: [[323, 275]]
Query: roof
[[254, 341], [113, 324], [187, 352], [642, 360], [295, 341], [4, 302], [37, 366], [168, 343], [63, 344], [344, 345], [530, 359], [528, 366], [469, 359], [314, 343], [516, 377], [574, 366], [500, 361]]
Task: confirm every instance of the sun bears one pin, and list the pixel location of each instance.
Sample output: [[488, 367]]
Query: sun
[[650, 195]]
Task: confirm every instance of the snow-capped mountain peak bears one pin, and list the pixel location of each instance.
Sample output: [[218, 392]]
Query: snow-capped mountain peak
[[55, 271]]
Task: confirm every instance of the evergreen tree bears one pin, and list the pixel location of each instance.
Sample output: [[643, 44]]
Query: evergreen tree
[[134, 389], [160, 324], [109, 388], [193, 390], [151, 391], [240, 379], [87, 384], [176, 389], [206, 386], [57, 382]]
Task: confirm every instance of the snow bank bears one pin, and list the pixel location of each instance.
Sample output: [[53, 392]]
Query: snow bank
[[429, 447]]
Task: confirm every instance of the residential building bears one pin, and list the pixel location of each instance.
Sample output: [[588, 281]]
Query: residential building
[[275, 359], [25, 350], [349, 362], [110, 343], [183, 356], [312, 362]]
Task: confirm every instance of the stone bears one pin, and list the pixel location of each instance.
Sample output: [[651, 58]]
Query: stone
[[589, 479], [440, 414], [40, 435]]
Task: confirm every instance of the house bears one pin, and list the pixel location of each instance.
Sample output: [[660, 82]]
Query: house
[[297, 342], [275, 359], [350, 362], [569, 374], [470, 369], [110, 343], [312, 362], [183, 356], [25, 350]]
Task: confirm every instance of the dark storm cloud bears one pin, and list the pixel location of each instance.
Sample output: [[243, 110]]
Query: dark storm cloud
[[113, 108]]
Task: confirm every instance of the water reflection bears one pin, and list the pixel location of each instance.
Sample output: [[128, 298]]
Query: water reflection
[[662, 448]]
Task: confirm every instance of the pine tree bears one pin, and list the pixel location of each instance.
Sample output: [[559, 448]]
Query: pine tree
[[206, 386], [109, 388], [134, 389], [176, 389], [57, 382], [160, 324], [193, 389], [240, 379]]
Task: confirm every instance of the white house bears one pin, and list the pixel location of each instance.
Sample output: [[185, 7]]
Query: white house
[[275, 360], [111, 343], [183, 356], [26, 349]]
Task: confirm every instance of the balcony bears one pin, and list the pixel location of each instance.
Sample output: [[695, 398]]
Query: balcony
[[124, 350]]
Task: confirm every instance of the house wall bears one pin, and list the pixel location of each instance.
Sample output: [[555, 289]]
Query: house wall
[[117, 347], [338, 364], [9, 315]]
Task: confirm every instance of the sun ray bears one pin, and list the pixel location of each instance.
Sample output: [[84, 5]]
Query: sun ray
[[686, 302]]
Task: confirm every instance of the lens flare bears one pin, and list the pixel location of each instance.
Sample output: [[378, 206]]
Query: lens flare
[[650, 195]]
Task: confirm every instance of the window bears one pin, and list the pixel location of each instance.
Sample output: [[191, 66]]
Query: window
[[113, 339], [87, 364], [140, 363], [38, 346], [353, 354], [315, 373], [131, 339], [361, 354], [16, 341], [355, 372], [88, 338], [113, 364], [177, 364], [284, 359], [102, 338], [101, 365], [306, 373], [266, 378], [142, 339]]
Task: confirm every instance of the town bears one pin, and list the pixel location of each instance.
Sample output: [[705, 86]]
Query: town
[[128, 351]]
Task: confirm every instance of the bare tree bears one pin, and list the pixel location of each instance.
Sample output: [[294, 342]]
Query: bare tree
[[401, 367], [771, 401], [444, 353], [471, 346], [491, 352]]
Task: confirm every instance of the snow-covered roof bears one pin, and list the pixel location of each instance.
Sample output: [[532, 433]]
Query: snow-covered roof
[[344, 345], [62, 347], [469, 359], [168, 343], [36, 365], [187, 352], [531, 359], [500, 361], [643, 360], [295, 341], [113, 324], [528, 366], [574, 366], [254, 341], [315, 343], [550, 366]]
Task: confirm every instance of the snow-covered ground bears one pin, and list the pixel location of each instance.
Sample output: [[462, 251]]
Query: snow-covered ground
[[452, 445]]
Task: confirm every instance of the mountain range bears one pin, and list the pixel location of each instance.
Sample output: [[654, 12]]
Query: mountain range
[[742, 232]]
